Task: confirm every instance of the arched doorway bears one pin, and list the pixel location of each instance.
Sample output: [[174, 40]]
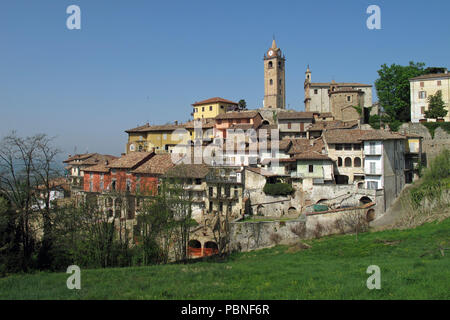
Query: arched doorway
[[194, 248], [292, 210], [210, 248], [364, 200]]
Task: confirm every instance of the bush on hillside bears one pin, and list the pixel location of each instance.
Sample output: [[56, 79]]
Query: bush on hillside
[[278, 189]]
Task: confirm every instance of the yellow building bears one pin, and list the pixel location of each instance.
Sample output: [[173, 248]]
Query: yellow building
[[161, 138], [164, 138], [427, 85], [210, 108]]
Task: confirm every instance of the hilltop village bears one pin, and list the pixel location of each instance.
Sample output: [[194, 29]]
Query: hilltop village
[[269, 162]]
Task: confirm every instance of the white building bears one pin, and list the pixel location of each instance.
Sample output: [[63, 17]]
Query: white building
[[424, 86]]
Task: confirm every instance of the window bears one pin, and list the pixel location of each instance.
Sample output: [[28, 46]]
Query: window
[[289, 125], [270, 64], [91, 186], [357, 146], [348, 162], [373, 167], [128, 185], [339, 162], [373, 185], [422, 84], [349, 98], [165, 136], [439, 82], [113, 185], [210, 206], [270, 81], [422, 110], [210, 108], [210, 191], [316, 91], [311, 168], [220, 206], [219, 191], [339, 147], [422, 94], [372, 147], [347, 146], [357, 162], [279, 81], [203, 109], [194, 110], [221, 107]]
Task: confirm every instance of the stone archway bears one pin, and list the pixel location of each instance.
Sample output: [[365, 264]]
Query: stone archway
[[210, 248], [194, 248], [364, 200]]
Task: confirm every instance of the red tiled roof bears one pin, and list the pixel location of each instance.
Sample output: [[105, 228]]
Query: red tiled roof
[[194, 171], [213, 100], [158, 165], [237, 115], [339, 84], [130, 160], [431, 76], [285, 115]]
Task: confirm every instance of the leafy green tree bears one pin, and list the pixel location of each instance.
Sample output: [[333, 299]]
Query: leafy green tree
[[242, 104], [375, 121], [436, 107], [393, 90]]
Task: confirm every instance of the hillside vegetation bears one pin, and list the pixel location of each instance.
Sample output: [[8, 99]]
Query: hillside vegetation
[[414, 264]]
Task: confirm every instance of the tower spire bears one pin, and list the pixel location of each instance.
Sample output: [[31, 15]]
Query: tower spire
[[274, 44]]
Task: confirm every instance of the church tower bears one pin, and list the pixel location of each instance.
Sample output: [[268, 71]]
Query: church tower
[[274, 78]]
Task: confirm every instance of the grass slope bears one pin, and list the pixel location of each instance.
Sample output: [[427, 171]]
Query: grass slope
[[334, 268]]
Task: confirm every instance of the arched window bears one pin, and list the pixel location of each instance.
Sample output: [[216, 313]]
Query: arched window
[[270, 81], [348, 162], [339, 162], [357, 162], [270, 64]]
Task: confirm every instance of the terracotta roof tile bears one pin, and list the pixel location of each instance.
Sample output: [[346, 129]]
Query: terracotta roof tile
[[213, 100], [237, 115], [431, 76], [130, 160], [158, 165], [194, 171], [286, 115]]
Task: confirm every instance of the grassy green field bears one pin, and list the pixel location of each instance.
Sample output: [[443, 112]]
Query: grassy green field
[[412, 267]]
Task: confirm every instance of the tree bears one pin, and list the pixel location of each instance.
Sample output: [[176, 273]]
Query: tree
[[393, 91], [436, 107], [242, 105]]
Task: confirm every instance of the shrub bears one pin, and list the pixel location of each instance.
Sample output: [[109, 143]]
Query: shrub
[[278, 189], [432, 126]]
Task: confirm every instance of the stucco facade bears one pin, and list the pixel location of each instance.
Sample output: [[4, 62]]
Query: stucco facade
[[421, 88]]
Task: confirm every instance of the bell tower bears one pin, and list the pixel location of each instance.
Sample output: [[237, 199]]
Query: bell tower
[[274, 78]]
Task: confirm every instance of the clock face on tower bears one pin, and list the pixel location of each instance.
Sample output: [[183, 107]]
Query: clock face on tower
[[270, 53]]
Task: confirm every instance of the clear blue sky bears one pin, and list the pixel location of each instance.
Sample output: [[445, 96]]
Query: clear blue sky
[[138, 61]]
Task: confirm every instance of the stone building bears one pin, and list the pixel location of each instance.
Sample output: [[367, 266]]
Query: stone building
[[344, 147], [336, 97], [294, 124], [274, 78]]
